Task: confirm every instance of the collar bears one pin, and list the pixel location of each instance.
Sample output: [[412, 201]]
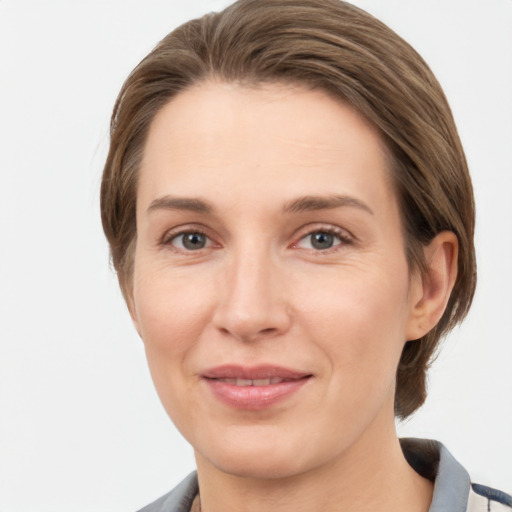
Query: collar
[[432, 460]]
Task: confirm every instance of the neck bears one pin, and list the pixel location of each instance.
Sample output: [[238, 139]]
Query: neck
[[372, 475]]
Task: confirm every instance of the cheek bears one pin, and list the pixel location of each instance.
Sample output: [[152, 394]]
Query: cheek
[[359, 320], [171, 312]]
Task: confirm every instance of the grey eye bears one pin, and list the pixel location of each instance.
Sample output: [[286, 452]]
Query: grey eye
[[191, 241], [322, 240]]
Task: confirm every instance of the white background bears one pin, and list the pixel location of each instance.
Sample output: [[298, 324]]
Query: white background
[[81, 427]]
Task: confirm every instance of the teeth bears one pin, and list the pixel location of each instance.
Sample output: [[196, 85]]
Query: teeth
[[253, 382], [243, 382], [261, 382]]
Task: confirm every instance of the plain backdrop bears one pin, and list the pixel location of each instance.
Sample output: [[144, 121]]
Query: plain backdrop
[[81, 427]]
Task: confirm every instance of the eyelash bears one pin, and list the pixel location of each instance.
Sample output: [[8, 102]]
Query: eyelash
[[342, 235]]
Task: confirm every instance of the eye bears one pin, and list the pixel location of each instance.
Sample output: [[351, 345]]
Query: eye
[[322, 240], [190, 241]]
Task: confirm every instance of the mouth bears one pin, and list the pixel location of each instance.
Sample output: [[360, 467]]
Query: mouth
[[254, 388], [253, 382]]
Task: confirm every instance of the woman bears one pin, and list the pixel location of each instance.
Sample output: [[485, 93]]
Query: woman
[[291, 218]]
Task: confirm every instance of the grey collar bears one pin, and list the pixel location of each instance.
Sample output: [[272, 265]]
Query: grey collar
[[179, 499], [432, 460]]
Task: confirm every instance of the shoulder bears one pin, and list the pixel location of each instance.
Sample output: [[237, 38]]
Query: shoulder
[[483, 498], [178, 500]]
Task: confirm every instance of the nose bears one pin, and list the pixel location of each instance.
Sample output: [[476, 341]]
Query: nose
[[252, 302]]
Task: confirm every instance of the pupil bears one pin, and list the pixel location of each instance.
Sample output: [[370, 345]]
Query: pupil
[[194, 241], [322, 240]]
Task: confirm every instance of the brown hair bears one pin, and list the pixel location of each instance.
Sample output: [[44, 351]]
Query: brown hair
[[334, 46]]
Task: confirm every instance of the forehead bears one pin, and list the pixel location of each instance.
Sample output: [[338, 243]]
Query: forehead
[[281, 140]]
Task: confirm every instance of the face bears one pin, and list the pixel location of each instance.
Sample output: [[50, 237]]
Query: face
[[270, 284]]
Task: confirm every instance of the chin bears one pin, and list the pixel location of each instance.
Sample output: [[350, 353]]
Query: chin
[[257, 466], [261, 457]]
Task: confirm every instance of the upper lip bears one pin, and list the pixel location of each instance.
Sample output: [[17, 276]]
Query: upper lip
[[232, 371]]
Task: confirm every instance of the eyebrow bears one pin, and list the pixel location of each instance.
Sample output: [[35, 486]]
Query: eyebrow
[[312, 203], [180, 203], [299, 205]]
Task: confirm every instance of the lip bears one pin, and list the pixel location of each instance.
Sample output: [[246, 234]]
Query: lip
[[283, 382]]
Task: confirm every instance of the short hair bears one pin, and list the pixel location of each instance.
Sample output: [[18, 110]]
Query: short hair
[[335, 47]]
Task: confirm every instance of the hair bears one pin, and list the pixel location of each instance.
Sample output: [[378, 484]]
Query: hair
[[335, 47]]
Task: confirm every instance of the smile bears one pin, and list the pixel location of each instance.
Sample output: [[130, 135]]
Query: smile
[[253, 382], [254, 388]]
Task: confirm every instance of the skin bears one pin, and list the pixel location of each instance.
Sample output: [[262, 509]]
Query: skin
[[259, 292]]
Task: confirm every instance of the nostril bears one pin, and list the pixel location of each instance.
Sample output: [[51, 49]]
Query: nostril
[[248, 336], [250, 317]]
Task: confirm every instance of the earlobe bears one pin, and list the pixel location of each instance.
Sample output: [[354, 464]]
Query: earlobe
[[430, 292]]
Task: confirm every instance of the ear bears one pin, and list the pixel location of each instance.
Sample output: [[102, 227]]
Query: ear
[[430, 293]]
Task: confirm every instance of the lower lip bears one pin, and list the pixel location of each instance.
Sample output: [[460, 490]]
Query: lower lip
[[254, 397]]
